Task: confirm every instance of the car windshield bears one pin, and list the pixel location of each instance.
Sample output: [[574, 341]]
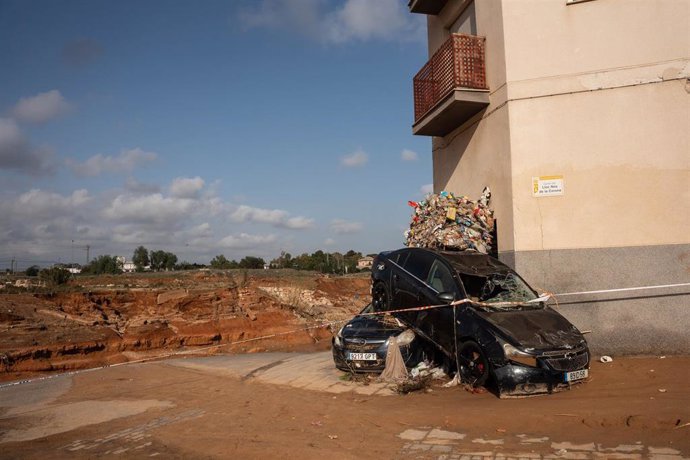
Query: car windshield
[[496, 288]]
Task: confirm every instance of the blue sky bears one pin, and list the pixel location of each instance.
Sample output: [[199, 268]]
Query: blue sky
[[204, 128]]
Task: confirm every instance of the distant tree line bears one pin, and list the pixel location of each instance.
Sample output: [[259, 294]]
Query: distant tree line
[[143, 260], [333, 262]]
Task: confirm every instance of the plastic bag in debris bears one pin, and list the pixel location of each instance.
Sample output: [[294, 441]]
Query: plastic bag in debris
[[423, 369], [446, 221]]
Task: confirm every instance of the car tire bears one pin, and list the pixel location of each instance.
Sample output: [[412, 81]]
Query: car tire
[[379, 297], [472, 364]]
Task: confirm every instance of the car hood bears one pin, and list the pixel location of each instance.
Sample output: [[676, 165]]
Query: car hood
[[369, 328], [538, 329]]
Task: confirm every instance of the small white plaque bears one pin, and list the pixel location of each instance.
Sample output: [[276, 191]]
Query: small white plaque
[[548, 186]]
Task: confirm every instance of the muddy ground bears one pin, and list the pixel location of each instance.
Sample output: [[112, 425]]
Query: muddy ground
[[635, 407], [165, 410], [95, 321]]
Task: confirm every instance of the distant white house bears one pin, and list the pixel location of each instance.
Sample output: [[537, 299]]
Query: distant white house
[[127, 267], [365, 262]]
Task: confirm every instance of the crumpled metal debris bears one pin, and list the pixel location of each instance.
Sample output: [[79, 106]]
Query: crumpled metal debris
[[446, 221]]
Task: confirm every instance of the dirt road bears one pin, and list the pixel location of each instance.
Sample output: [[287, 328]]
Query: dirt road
[[270, 406]]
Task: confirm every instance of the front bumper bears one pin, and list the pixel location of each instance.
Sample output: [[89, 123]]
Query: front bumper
[[340, 354], [519, 381], [341, 362]]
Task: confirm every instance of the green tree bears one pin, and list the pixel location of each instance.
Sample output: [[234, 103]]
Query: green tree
[[284, 261], [140, 258], [252, 262], [184, 265], [32, 270], [55, 276], [162, 260], [170, 261], [220, 262], [103, 264]]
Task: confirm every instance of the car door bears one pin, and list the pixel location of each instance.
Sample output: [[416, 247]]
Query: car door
[[410, 281], [438, 323]]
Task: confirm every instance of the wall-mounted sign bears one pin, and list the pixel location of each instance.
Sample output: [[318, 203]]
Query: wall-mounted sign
[[547, 186]]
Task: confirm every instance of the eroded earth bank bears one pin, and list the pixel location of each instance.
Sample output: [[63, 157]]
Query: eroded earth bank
[[96, 321]]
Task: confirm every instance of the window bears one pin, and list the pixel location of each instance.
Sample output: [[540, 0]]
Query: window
[[466, 22], [418, 263], [497, 287], [441, 279]]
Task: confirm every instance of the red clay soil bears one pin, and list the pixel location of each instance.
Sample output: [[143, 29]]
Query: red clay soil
[[104, 320]]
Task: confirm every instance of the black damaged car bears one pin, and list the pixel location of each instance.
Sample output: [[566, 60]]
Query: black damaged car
[[499, 329], [361, 344]]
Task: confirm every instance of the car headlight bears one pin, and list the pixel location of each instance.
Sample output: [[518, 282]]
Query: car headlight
[[518, 356]]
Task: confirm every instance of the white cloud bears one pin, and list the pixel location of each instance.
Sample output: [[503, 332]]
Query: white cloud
[[426, 189], [408, 155], [186, 187], [154, 209], [275, 217], [297, 223], [329, 242], [125, 162], [39, 222], [196, 233], [134, 186], [362, 20], [43, 205], [41, 107], [355, 20], [246, 241], [355, 159], [341, 226], [16, 153]]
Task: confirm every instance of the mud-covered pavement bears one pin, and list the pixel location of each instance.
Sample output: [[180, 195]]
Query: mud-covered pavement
[[296, 406]]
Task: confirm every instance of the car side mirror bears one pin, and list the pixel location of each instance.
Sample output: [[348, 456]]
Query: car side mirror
[[446, 297]]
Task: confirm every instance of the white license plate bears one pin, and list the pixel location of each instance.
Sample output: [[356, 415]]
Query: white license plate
[[576, 375], [361, 356]]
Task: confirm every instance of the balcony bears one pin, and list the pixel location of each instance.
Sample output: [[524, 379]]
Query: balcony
[[426, 6], [451, 88]]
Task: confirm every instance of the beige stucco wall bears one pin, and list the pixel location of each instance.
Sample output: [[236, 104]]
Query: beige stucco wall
[[625, 157], [485, 161], [549, 38]]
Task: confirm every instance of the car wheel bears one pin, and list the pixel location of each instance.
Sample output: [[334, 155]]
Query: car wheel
[[473, 365], [379, 297]]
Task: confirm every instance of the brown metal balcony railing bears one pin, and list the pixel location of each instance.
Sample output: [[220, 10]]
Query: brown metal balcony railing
[[458, 63]]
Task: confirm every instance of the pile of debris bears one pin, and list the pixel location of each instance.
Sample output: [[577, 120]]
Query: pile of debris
[[446, 221]]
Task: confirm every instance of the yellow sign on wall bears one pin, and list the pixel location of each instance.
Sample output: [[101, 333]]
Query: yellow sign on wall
[[548, 186]]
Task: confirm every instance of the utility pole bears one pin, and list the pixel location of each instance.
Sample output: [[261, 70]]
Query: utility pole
[[87, 254]]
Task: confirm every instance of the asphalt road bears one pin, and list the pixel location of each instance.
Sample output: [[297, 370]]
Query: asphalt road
[[293, 405]]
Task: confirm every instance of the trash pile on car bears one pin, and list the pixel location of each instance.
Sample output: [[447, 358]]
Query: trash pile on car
[[447, 221]]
